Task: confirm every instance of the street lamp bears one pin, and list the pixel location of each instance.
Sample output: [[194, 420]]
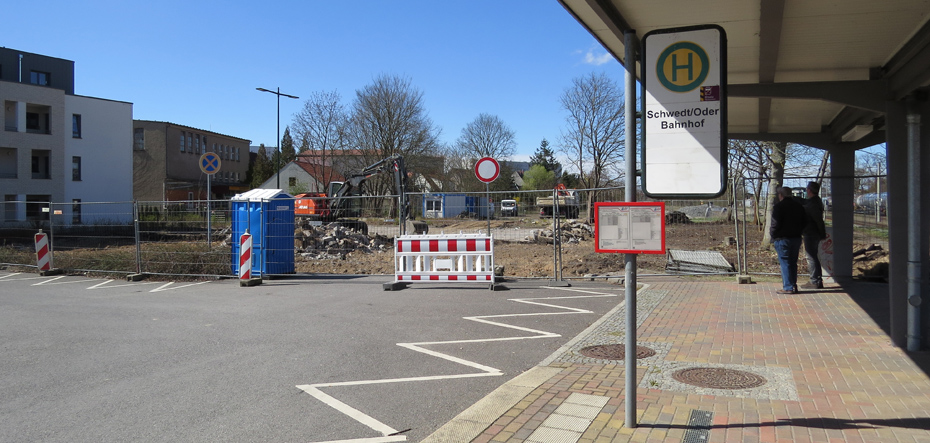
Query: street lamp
[[278, 164]]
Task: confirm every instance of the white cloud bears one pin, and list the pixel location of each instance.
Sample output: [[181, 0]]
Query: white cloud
[[592, 59]]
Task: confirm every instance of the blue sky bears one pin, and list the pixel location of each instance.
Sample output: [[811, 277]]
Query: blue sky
[[197, 63]]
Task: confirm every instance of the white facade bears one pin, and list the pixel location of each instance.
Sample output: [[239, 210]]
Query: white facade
[[104, 150]]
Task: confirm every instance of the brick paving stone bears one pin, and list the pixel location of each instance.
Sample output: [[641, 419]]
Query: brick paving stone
[[850, 383]]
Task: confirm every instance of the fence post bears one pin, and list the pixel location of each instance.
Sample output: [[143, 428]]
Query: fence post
[[138, 237], [51, 229], [555, 235]]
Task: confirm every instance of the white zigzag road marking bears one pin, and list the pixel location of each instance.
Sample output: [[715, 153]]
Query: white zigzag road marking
[[487, 371], [165, 287]]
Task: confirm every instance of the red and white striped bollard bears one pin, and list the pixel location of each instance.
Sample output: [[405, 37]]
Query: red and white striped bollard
[[43, 254]]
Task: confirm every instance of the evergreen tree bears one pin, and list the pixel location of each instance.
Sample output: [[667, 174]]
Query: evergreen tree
[[262, 169], [545, 157], [288, 154]]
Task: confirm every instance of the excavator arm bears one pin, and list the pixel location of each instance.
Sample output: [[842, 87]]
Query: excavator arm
[[339, 202]]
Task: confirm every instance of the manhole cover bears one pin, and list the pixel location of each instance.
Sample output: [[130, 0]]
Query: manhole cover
[[614, 352], [719, 378]]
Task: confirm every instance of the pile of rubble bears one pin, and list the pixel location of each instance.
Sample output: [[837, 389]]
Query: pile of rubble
[[676, 217], [571, 232], [334, 241], [874, 260]]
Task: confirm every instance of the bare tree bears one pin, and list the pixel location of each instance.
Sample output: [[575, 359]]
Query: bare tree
[[486, 136], [778, 155], [388, 117], [594, 138], [321, 130], [749, 162]]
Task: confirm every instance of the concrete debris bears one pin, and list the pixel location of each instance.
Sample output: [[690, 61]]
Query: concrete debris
[[877, 257], [571, 232], [334, 241], [676, 217], [704, 211]]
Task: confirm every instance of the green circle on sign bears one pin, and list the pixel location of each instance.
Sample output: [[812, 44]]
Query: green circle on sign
[[681, 75]]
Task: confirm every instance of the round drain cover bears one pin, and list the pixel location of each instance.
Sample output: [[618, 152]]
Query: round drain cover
[[614, 352], [719, 378]]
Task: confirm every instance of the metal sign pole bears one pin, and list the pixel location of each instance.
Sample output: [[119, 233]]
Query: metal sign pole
[[629, 62], [487, 204], [209, 228]]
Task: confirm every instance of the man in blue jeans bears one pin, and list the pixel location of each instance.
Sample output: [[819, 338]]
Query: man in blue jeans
[[788, 221]]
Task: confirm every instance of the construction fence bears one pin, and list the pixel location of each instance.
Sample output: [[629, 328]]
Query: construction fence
[[197, 239]]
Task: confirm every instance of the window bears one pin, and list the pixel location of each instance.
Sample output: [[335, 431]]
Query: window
[[205, 144], [37, 207], [292, 181], [9, 207], [32, 121], [138, 139], [76, 125], [182, 142], [76, 169], [237, 154], [197, 144], [76, 210], [40, 78], [190, 142], [40, 164]]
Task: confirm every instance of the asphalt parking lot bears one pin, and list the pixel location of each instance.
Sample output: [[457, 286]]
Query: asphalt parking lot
[[296, 359]]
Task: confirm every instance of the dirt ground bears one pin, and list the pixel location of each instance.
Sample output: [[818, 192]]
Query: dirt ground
[[535, 259]]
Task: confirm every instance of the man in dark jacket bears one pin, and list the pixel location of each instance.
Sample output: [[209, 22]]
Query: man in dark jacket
[[814, 232], [788, 221]]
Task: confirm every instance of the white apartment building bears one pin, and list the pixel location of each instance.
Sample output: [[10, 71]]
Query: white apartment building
[[60, 148]]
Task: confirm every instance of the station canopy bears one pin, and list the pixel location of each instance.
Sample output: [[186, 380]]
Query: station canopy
[[815, 72]]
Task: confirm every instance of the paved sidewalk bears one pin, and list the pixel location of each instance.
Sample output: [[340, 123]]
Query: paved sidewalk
[[830, 374]]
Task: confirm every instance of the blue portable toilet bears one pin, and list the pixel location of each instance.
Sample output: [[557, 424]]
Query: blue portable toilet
[[268, 214]]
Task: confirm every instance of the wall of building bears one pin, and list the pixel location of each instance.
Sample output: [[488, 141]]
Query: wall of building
[[104, 147], [165, 171], [14, 97], [148, 164], [61, 70]]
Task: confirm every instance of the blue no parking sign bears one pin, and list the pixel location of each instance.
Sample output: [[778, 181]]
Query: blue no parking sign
[[210, 163]]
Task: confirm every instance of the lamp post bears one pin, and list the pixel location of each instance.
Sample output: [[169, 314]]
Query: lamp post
[[278, 163]]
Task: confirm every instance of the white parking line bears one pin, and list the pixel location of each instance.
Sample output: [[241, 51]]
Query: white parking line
[[49, 280], [10, 275], [106, 284], [23, 278], [487, 371]]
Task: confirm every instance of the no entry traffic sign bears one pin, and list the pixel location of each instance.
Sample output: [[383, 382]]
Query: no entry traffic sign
[[487, 169]]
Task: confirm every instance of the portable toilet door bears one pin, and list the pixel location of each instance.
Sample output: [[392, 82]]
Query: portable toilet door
[[268, 214]]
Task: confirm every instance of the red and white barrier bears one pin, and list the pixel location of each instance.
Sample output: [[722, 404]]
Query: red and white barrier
[[458, 257], [245, 256], [43, 253]]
